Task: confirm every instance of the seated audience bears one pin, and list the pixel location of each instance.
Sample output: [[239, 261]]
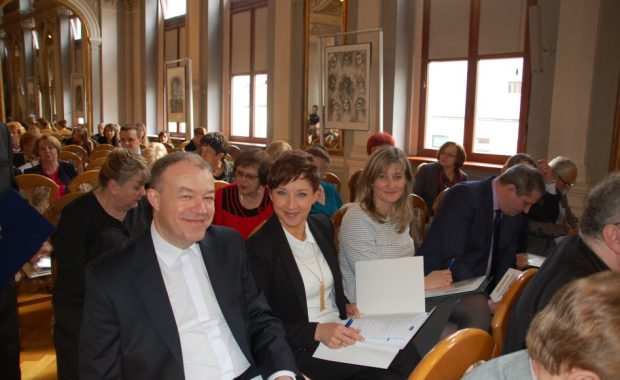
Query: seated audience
[[275, 148], [130, 137], [63, 128], [27, 157], [294, 262], [48, 148], [433, 178], [576, 336], [595, 249], [163, 137], [377, 140], [551, 218], [377, 226], [99, 134], [80, 136], [99, 221], [329, 200], [213, 148], [245, 204], [179, 302], [154, 152], [45, 126], [144, 139], [194, 143], [110, 135], [16, 130]]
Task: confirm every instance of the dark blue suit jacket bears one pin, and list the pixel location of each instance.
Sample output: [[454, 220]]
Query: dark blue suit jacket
[[462, 230]]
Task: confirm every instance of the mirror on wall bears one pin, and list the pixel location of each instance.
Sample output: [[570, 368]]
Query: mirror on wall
[[323, 18], [44, 68]]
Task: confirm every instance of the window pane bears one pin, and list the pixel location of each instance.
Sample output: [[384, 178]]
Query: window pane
[[498, 104], [173, 8], [240, 105], [445, 103], [260, 106], [76, 28], [172, 127]]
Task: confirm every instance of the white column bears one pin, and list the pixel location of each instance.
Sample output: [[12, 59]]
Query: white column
[[280, 72]]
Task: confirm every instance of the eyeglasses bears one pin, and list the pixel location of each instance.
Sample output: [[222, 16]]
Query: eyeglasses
[[239, 174], [448, 154], [565, 182]]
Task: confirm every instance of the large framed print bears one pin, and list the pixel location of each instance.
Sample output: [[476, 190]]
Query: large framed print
[[347, 86], [175, 89], [78, 93]]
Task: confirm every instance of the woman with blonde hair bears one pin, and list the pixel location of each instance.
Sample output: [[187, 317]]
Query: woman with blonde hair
[[154, 152], [48, 148], [377, 225], [16, 130]]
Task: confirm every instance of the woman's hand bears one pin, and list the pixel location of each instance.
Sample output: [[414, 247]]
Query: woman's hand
[[335, 335], [438, 279], [352, 311]]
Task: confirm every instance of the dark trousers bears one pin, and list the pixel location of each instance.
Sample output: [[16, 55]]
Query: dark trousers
[[9, 333], [68, 321]]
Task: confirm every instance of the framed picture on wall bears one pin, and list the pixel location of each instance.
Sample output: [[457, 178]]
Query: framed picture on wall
[[346, 83], [78, 95], [178, 97]]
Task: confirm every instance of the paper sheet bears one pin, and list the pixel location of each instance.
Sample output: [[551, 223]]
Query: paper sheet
[[465, 286], [360, 353]]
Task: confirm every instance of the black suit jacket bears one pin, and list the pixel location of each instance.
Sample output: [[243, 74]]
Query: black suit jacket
[[463, 230], [129, 330], [277, 274]]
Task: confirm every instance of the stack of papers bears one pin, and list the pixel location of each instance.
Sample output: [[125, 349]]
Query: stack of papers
[[40, 269], [390, 296], [475, 284]]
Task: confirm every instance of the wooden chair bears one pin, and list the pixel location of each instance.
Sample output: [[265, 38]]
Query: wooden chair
[[453, 355], [499, 323], [353, 184], [99, 153], [420, 215], [333, 178], [52, 214], [39, 190], [234, 151], [77, 150], [85, 181], [169, 147], [218, 183], [73, 158], [58, 136], [337, 221], [104, 147], [95, 164], [184, 144], [438, 200]]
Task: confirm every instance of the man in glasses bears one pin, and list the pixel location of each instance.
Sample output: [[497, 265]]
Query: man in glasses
[[595, 249], [552, 219], [245, 204]]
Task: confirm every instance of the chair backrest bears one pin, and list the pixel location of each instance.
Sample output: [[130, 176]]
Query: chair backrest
[[104, 147], [39, 190], [499, 323], [420, 215], [438, 200], [337, 221], [453, 355], [77, 150], [169, 147], [333, 178], [73, 158], [99, 153], [234, 151], [353, 184], [52, 214], [219, 183], [96, 163], [85, 181], [184, 144]]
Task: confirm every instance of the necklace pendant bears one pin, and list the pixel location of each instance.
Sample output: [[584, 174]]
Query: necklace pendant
[[322, 295]]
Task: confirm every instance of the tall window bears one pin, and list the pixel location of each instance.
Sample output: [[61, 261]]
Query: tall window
[[475, 78], [248, 71], [173, 8], [174, 47]]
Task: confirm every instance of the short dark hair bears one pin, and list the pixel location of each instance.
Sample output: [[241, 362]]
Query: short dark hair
[[461, 156], [129, 127], [525, 178], [200, 131], [319, 151], [292, 165], [215, 140], [520, 158], [257, 158], [160, 166], [602, 207]]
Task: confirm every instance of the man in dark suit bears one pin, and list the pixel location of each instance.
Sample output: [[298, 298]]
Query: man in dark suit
[[178, 302], [595, 249], [472, 215]]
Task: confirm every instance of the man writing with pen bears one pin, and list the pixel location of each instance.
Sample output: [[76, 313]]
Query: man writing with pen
[[476, 233]]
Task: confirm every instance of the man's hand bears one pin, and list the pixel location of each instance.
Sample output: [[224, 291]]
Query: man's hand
[[546, 171], [438, 279], [45, 250]]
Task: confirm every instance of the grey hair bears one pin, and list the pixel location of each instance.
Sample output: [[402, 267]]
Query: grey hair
[[602, 207], [562, 166], [525, 178]]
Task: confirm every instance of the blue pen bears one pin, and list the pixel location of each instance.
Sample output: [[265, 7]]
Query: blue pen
[[349, 323], [451, 264]]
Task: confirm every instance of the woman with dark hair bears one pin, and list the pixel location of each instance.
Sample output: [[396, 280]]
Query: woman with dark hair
[[110, 135], [245, 204], [433, 178], [329, 200], [48, 148], [97, 222], [80, 136], [293, 259], [213, 148]]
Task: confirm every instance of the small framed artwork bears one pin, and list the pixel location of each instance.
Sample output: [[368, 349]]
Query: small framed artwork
[[178, 97], [78, 94], [347, 86]]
